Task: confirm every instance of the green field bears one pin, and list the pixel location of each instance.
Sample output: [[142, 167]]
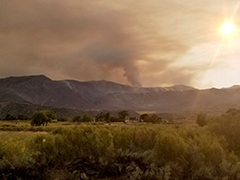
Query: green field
[[67, 150]]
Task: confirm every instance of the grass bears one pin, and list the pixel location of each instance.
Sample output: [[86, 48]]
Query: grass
[[17, 125], [115, 151]]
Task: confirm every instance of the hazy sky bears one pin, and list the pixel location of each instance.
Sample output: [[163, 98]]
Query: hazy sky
[[135, 42]]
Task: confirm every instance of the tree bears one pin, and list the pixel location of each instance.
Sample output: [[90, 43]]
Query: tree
[[87, 118], [144, 117], [232, 112], [50, 116], [84, 118], [201, 120], [107, 117], [77, 119], [123, 114], [152, 119], [10, 117], [116, 119], [22, 117], [39, 118], [62, 119], [42, 117], [155, 119], [99, 117], [102, 117]]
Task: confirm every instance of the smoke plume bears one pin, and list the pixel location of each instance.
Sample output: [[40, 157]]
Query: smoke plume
[[123, 41]]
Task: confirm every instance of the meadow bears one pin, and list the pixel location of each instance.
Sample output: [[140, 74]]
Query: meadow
[[67, 150]]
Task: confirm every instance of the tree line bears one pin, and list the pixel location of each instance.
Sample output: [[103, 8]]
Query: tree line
[[46, 116]]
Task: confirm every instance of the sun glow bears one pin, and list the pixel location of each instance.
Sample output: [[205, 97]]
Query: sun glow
[[228, 28]]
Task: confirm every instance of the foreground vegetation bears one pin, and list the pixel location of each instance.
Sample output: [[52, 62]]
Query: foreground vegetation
[[123, 151]]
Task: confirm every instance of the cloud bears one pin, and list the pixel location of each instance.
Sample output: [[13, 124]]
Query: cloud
[[123, 41]]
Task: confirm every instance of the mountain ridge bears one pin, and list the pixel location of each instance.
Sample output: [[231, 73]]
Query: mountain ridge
[[107, 95]]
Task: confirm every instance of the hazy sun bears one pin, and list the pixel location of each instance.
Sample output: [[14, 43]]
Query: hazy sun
[[228, 28]]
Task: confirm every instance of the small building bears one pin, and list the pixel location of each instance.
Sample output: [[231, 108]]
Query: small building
[[132, 120]]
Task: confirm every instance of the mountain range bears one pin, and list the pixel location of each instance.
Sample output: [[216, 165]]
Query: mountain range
[[104, 95]]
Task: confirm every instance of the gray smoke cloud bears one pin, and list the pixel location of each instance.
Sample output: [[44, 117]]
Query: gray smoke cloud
[[125, 41]]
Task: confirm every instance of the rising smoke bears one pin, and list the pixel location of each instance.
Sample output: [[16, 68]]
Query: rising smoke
[[91, 40]]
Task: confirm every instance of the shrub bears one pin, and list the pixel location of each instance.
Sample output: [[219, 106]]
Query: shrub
[[10, 117], [87, 118], [201, 120], [118, 152], [77, 119], [115, 119], [169, 147], [102, 117], [62, 119], [228, 126], [22, 117]]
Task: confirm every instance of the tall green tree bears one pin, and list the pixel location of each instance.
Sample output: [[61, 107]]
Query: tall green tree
[[50, 116], [123, 114], [42, 117], [39, 118]]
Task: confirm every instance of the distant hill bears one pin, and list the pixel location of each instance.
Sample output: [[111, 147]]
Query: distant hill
[[105, 95]]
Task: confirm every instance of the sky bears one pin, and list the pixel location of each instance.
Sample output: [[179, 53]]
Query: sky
[[146, 43]]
